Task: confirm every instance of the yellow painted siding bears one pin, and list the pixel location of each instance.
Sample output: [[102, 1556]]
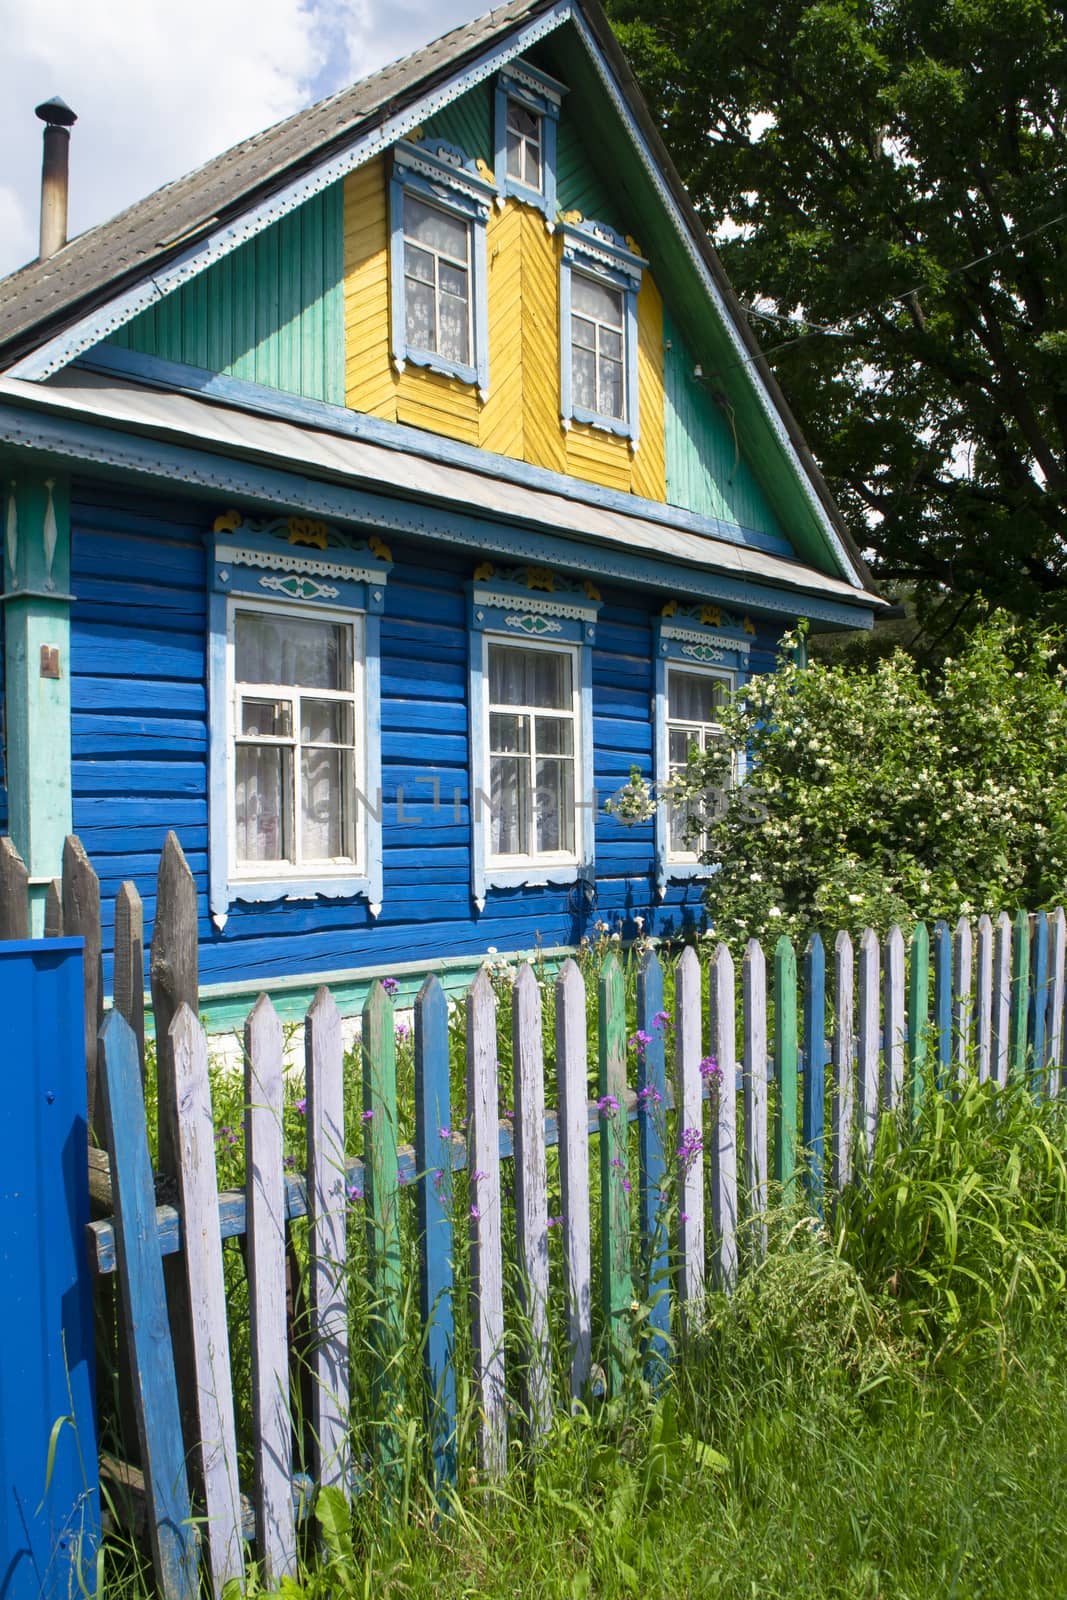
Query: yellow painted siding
[[650, 462], [370, 383], [543, 441], [521, 416]]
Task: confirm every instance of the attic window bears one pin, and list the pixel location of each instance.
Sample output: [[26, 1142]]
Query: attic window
[[527, 111], [600, 276], [439, 206]]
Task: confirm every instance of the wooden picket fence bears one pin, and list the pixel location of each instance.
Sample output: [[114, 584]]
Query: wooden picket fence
[[846, 1046]]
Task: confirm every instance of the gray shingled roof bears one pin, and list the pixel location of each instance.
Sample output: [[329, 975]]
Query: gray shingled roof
[[39, 299]]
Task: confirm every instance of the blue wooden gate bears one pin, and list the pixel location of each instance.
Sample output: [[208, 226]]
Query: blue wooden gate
[[49, 1486]]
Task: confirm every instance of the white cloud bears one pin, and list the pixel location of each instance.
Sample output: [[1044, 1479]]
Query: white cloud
[[160, 88]]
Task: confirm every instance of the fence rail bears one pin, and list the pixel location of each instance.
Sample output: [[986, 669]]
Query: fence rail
[[677, 1197]]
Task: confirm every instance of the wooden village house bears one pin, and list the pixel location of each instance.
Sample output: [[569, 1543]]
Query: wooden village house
[[373, 499]]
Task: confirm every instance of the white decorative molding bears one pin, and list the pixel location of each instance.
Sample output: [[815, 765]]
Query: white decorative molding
[[302, 564], [670, 630], [571, 610]]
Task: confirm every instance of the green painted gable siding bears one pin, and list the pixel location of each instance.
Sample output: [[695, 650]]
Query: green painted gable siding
[[706, 469], [468, 123], [579, 186], [271, 312]]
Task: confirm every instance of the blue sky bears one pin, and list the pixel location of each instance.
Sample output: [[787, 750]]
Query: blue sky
[[159, 87]]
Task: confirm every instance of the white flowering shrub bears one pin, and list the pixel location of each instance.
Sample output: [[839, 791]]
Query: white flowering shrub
[[889, 796]]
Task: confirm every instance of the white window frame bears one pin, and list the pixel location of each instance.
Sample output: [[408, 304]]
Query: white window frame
[[539, 858], [298, 868], [706, 729], [517, 608], [683, 639]]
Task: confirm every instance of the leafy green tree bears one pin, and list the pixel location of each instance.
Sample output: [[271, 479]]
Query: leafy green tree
[[880, 796], [888, 181]]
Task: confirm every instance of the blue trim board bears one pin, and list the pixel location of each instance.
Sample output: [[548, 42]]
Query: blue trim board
[[175, 376], [274, 488]]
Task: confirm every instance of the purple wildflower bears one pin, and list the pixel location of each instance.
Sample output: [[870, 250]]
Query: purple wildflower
[[368, 1116], [390, 986], [402, 1179], [444, 1133], [683, 1216], [475, 1213], [403, 1031], [302, 1106], [637, 1041], [290, 1162], [626, 1186], [711, 1071], [478, 1175], [689, 1149], [608, 1103], [354, 1193], [226, 1135], [555, 1222], [662, 1020]]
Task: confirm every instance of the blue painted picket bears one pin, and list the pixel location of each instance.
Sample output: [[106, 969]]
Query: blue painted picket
[[813, 1118], [433, 1159], [651, 1104], [49, 1487]]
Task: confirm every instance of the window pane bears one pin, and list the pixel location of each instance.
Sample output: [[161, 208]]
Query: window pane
[[611, 344], [326, 722], [529, 678], [418, 263], [609, 400], [262, 783], [554, 799], [695, 696], [326, 802], [509, 780], [508, 735], [436, 229], [420, 327], [272, 648], [681, 841], [454, 281], [514, 155], [267, 719], [533, 166], [597, 300], [555, 736], [680, 740], [523, 121], [583, 333], [583, 378], [455, 337]]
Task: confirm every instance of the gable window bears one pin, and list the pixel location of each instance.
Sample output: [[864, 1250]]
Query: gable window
[[439, 206], [437, 281], [531, 706], [524, 145], [297, 728], [694, 699], [598, 330], [532, 749], [293, 683], [599, 281], [527, 113]]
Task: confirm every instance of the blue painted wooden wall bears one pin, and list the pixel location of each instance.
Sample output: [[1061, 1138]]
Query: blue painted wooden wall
[[140, 756], [3, 742], [271, 313]]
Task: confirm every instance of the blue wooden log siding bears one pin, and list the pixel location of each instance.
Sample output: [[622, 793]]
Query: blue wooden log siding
[[140, 733]]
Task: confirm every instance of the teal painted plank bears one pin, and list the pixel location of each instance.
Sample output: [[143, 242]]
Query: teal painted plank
[[467, 122], [785, 1069], [651, 1105], [272, 312], [433, 1162], [1020, 998]]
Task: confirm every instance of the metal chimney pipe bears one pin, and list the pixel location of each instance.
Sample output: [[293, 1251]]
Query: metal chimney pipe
[[58, 119]]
